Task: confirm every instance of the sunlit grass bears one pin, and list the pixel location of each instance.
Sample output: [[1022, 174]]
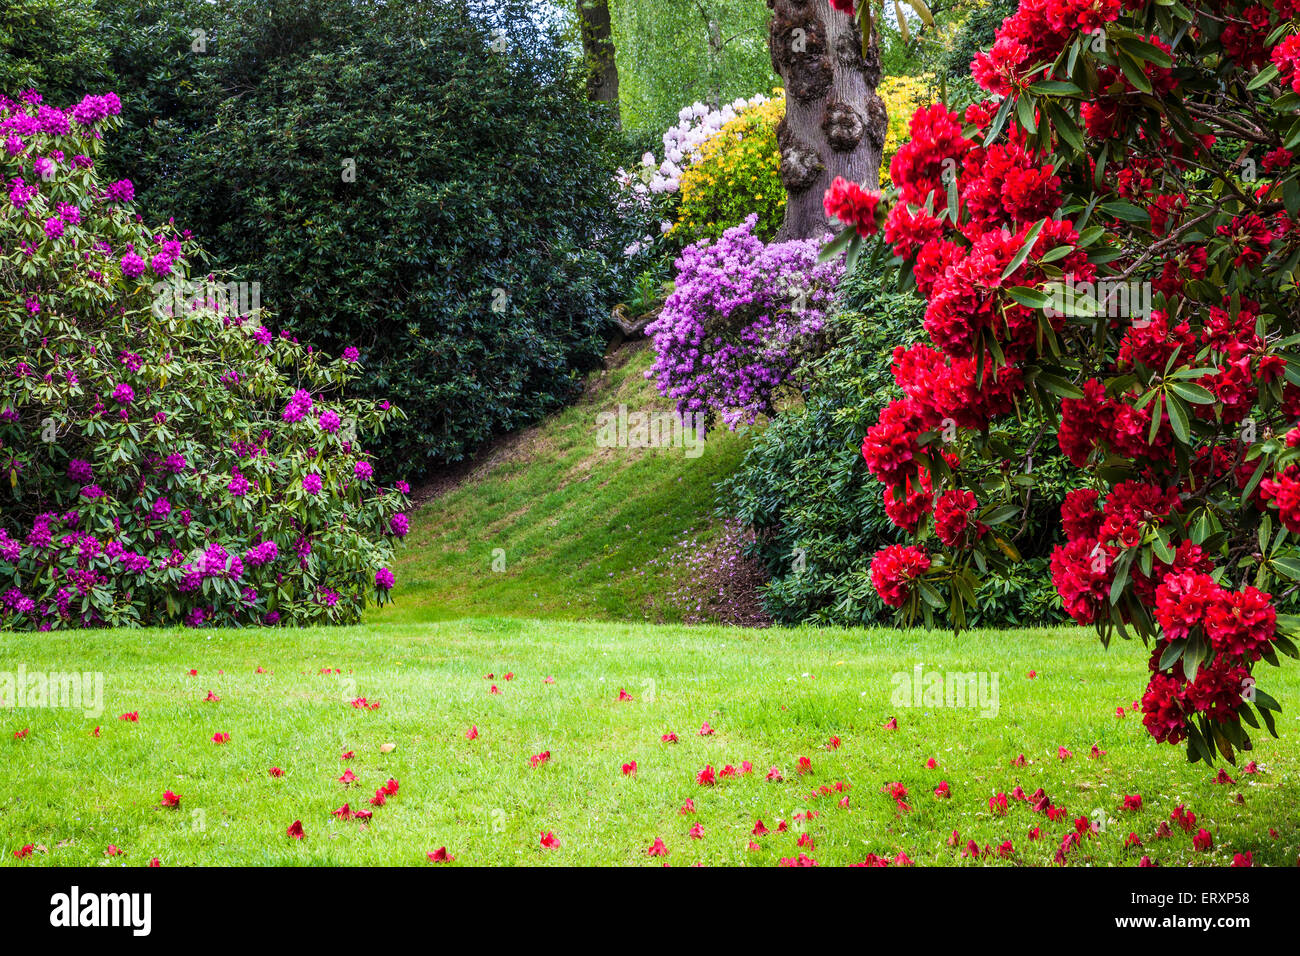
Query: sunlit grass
[[562, 528], [772, 695]]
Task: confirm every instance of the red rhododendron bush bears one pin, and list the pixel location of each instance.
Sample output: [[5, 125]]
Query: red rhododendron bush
[[1108, 244], [163, 457]]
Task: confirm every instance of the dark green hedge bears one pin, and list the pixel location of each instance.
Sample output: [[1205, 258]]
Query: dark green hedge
[[53, 46], [480, 166], [470, 261]]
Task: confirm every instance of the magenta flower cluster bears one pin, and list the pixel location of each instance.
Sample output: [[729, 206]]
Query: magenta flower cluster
[[154, 465]]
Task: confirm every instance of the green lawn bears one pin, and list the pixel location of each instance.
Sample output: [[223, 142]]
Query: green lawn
[[578, 531], [772, 695]]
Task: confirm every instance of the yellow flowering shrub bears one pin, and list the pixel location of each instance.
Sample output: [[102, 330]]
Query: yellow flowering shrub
[[738, 174], [902, 96]]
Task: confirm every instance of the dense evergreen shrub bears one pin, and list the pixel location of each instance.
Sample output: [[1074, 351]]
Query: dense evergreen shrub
[[472, 256], [819, 514], [55, 46]]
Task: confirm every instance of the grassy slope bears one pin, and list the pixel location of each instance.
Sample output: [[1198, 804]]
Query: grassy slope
[[579, 524], [772, 696]]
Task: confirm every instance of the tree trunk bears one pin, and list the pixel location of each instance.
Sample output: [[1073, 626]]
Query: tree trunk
[[715, 64], [834, 121], [598, 51]]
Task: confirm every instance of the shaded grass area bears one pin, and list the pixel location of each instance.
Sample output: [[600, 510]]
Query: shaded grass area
[[555, 526], [773, 696]]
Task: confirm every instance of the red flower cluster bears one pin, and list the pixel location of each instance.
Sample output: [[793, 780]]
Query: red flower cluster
[[907, 229], [905, 507], [935, 148], [1239, 627], [940, 387], [894, 568], [965, 271], [1079, 515], [891, 445], [1286, 56], [1283, 490], [854, 206], [1088, 422], [1076, 205], [952, 518], [1252, 236], [1082, 568]]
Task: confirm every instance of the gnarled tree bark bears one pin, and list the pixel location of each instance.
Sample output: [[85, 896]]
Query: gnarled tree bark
[[834, 120]]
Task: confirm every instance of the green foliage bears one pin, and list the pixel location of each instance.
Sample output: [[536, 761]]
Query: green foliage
[[52, 46], [819, 515], [976, 33], [649, 289], [477, 291], [672, 53]]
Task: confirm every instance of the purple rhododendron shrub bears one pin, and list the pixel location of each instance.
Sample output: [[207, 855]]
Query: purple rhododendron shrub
[[163, 457], [737, 324]]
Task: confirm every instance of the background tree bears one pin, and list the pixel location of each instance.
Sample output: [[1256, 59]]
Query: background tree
[[672, 53], [334, 152], [599, 52], [834, 122]]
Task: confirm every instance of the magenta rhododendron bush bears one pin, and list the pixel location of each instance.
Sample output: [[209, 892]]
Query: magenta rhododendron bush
[[1108, 244], [163, 457]]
